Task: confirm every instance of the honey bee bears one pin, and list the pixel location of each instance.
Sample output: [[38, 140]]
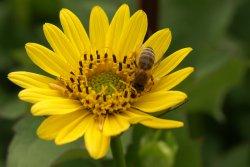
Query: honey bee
[[145, 64]]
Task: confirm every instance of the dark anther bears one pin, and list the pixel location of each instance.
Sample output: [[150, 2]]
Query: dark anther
[[97, 97], [69, 88], [106, 55], [104, 98], [72, 80], [133, 95], [114, 59], [124, 104], [120, 66], [128, 65], [87, 101], [80, 69], [85, 57], [87, 90], [125, 59], [97, 56], [91, 57], [80, 63], [112, 105], [135, 63], [71, 72], [78, 80], [96, 52], [90, 65], [126, 94], [79, 88]]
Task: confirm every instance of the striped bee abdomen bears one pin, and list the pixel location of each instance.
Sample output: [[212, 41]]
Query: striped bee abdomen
[[146, 59]]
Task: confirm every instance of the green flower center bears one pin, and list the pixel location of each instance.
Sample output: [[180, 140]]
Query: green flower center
[[108, 79]]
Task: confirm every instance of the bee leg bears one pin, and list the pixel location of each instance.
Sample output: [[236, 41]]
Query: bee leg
[[150, 83]]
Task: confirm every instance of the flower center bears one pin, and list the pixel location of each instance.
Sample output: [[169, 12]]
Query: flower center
[[110, 80], [103, 84]]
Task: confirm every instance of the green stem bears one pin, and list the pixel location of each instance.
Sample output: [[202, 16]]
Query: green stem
[[116, 148]]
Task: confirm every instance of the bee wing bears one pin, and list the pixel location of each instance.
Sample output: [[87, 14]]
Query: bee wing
[[156, 64]]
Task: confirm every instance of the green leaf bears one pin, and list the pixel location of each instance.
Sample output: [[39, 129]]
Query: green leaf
[[6, 135], [80, 162], [189, 152], [238, 156], [1, 162], [197, 23], [12, 109], [153, 149], [1, 154], [27, 150], [218, 60], [240, 25], [71, 155], [207, 92], [149, 146], [126, 138]]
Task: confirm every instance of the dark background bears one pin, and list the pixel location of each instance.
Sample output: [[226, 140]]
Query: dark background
[[217, 117]]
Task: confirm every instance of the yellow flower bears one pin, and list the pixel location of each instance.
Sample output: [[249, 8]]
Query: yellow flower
[[92, 92]]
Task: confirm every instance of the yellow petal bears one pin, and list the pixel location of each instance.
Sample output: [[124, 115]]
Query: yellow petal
[[74, 129], [34, 95], [114, 125], [30, 80], [47, 60], [55, 107], [96, 143], [116, 27], [133, 34], [151, 121], [133, 117], [52, 125], [161, 123], [74, 30], [169, 63], [98, 27], [171, 80], [61, 44], [161, 100], [159, 42]]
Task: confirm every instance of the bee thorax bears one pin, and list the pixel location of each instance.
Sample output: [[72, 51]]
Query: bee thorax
[[141, 80]]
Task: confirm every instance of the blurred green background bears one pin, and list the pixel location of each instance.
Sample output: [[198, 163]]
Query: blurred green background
[[217, 116]]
